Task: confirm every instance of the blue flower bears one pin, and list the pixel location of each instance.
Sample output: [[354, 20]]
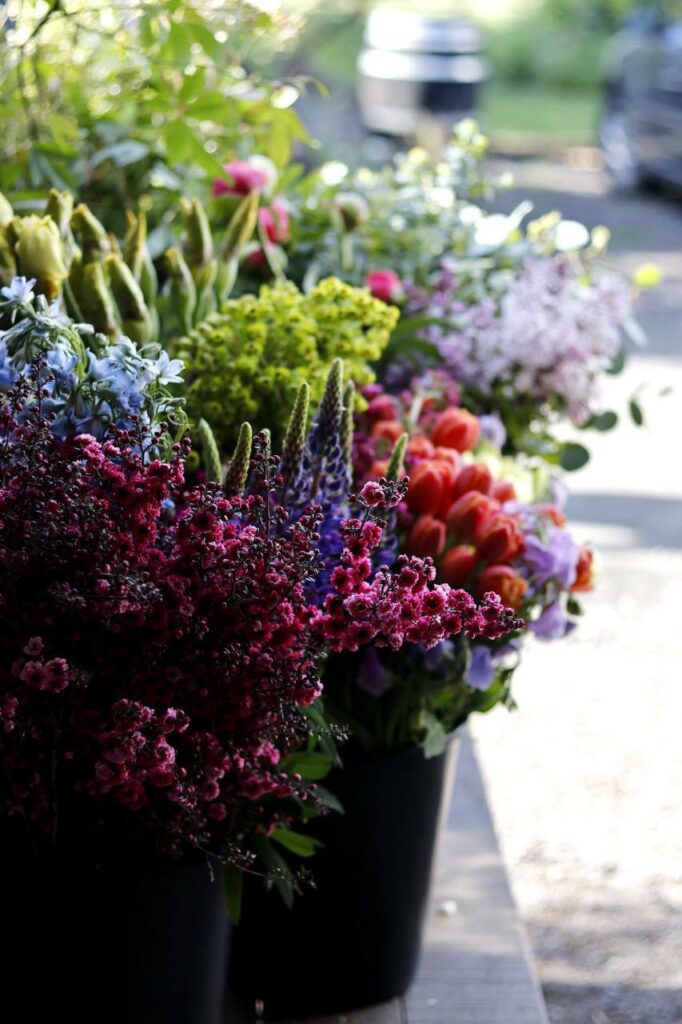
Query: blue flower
[[552, 624], [20, 289], [169, 370]]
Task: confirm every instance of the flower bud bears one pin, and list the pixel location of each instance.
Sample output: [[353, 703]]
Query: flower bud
[[136, 321], [6, 211], [503, 490], [456, 428], [500, 540], [469, 514], [274, 221], [349, 210], [92, 239], [390, 430], [40, 253], [426, 539], [584, 571], [457, 565], [242, 178], [502, 580], [385, 285], [96, 301], [427, 488], [475, 477]]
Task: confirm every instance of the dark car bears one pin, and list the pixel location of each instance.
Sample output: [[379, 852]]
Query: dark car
[[641, 125]]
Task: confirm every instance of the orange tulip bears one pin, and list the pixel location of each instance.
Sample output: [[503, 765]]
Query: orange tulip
[[502, 580], [456, 428], [426, 538], [427, 487], [391, 430], [500, 540], [503, 490], [457, 565], [585, 571], [469, 514], [475, 477]]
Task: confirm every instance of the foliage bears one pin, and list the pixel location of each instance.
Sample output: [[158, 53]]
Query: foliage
[[249, 360], [165, 101]]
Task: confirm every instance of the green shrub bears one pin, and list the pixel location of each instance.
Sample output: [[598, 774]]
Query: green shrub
[[248, 361]]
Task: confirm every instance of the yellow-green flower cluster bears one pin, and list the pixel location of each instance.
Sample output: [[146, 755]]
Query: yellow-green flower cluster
[[248, 361]]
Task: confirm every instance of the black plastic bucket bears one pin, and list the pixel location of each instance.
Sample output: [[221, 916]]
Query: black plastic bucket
[[354, 940], [141, 946]]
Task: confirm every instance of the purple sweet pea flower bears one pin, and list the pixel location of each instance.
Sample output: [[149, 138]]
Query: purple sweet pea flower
[[481, 670], [552, 624], [556, 559], [492, 429]]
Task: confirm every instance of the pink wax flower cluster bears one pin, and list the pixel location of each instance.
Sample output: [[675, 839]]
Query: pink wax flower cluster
[[157, 644], [400, 606]]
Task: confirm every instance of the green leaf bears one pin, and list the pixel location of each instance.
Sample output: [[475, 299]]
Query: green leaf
[[122, 153], [573, 607], [618, 363], [435, 738], [233, 885], [329, 800], [296, 842], [179, 140], [310, 765], [604, 421], [208, 42], [573, 456], [636, 412]]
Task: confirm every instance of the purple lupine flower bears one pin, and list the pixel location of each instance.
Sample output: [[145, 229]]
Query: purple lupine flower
[[552, 559]]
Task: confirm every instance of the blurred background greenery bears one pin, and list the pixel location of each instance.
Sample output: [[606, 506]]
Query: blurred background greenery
[[134, 102]]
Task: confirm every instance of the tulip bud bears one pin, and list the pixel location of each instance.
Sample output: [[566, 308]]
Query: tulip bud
[[137, 256], [503, 490], [502, 580], [427, 488], [8, 264], [475, 477], [178, 297], [584, 571], [349, 210], [60, 207], [6, 211], [500, 540], [390, 430], [426, 539], [274, 221], [456, 428], [136, 321], [385, 285], [242, 178], [458, 565], [96, 301], [420, 448], [469, 513], [91, 236], [40, 253]]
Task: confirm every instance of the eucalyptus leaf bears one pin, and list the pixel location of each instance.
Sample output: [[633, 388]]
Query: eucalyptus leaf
[[573, 456]]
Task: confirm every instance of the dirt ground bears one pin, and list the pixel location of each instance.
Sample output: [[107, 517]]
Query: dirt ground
[[585, 779]]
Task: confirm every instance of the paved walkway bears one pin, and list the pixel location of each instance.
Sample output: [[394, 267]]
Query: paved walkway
[[585, 779]]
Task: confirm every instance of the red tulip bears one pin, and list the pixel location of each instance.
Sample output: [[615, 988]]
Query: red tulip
[[385, 285], [426, 538], [457, 565], [502, 580], [456, 428], [584, 573], [427, 487], [469, 514], [475, 477], [391, 430], [379, 469], [503, 491], [420, 448], [450, 455], [500, 540]]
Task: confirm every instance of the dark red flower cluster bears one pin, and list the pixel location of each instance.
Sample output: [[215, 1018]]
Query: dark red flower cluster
[[157, 644]]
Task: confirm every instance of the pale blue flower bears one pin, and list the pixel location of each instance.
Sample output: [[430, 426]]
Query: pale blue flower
[[20, 289]]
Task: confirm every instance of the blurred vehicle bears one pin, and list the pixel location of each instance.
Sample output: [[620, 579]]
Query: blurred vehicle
[[414, 67], [641, 125]]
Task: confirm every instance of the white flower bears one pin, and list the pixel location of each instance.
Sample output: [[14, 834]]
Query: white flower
[[19, 290]]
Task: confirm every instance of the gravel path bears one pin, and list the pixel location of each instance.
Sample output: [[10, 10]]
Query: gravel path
[[585, 778]]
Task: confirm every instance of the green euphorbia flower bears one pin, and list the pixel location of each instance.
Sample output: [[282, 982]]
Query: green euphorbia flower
[[248, 361]]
